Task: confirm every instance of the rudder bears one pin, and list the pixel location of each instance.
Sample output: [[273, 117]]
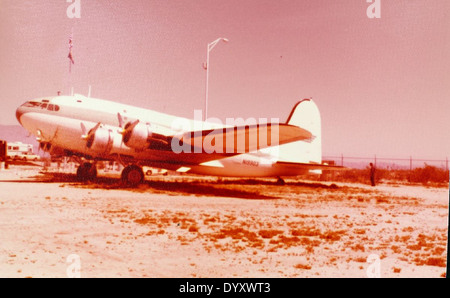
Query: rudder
[[306, 115]]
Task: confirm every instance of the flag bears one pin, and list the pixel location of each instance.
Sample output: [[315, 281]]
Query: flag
[[70, 50]]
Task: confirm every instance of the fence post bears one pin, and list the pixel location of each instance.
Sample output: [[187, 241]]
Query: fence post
[[342, 159], [446, 169], [410, 168]]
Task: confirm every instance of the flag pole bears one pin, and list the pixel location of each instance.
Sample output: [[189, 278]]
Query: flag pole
[[70, 58]]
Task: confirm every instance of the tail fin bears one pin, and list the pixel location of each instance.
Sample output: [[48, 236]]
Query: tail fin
[[306, 115]]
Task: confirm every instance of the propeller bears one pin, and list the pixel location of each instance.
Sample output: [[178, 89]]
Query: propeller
[[90, 135], [128, 130], [125, 130], [40, 139], [45, 143]]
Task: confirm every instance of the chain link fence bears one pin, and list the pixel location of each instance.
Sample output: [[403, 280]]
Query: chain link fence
[[409, 169]]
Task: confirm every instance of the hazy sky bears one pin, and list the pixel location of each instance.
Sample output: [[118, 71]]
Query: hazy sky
[[382, 85]]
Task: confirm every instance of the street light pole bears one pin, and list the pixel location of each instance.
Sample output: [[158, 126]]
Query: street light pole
[[209, 48], [205, 108]]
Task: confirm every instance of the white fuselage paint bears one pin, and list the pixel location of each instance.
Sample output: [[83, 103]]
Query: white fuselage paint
[[63, 129]]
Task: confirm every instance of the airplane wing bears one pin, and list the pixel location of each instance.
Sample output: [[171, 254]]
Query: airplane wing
[[193, 148]]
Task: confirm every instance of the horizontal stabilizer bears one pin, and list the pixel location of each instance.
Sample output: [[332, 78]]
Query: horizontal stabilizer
[[312, 166]]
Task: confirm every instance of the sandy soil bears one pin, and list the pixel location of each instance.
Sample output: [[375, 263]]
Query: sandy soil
[[183, 226]]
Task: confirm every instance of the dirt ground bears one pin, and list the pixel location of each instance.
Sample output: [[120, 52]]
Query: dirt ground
[[187, 226]]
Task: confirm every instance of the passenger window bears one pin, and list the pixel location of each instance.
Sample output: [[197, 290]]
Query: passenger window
[[44, 106], [50, 107]]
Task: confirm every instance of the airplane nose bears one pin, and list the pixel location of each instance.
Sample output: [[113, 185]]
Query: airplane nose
[[19, 113]]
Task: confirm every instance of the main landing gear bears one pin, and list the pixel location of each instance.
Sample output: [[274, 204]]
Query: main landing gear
[[132, 175], [87, 172]]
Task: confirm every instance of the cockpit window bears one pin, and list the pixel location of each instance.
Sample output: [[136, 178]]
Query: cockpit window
[[42, 105], [31, 104]]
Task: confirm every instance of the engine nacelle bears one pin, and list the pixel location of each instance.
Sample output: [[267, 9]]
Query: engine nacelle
[[137, 135], [100, 140]]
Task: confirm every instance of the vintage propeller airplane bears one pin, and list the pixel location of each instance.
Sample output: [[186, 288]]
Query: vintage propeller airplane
[[91, 130]]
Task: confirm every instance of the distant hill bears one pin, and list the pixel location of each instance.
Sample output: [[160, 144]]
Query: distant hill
[[16, 133]]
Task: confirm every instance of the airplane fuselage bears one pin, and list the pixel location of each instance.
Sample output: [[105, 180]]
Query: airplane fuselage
[[66, 122]]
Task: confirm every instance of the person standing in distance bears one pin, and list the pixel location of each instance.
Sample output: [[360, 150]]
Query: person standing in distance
[[372, 174]]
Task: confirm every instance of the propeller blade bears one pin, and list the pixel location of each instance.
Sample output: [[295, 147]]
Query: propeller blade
[[39, 135], [119, 117], [126, 132], [84, 134], [132, 125], [96, 127]]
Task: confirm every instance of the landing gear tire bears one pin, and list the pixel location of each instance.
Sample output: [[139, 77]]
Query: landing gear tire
[[86, 172], [132, 176]]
